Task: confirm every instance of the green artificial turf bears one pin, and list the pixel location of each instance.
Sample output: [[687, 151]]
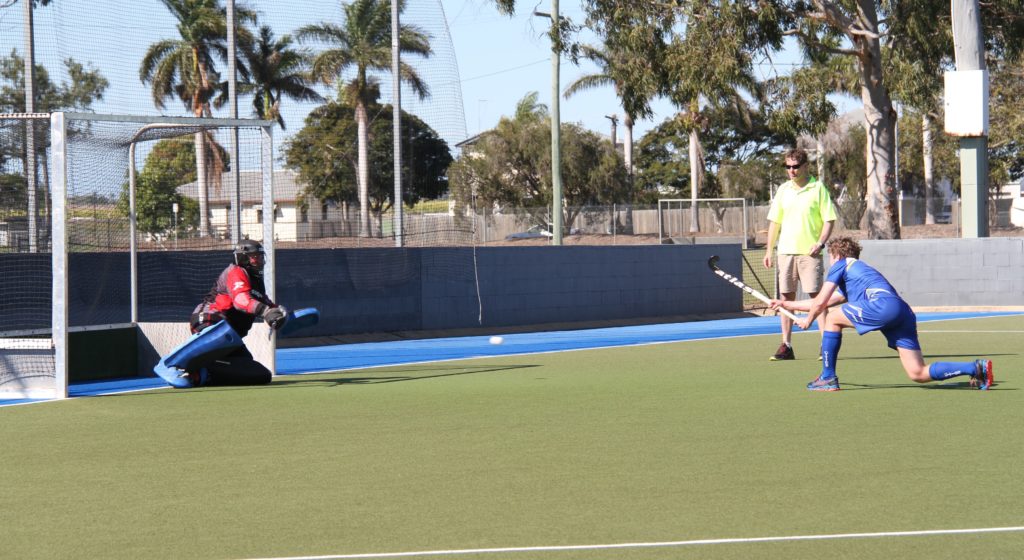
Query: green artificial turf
[[668, 442]]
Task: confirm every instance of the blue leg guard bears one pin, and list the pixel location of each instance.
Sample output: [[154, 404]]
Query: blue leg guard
[[300, 319], [201, 348]]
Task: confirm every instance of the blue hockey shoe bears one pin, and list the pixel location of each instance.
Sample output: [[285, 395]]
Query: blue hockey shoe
[[982, 378], [819, 384]]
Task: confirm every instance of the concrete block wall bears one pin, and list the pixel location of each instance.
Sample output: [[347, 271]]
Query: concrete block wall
[[952, 272]]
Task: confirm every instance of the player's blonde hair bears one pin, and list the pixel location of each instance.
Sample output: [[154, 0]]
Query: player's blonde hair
[[844, 247]]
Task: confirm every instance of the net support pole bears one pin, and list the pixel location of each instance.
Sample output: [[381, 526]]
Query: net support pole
[[59, 255], [133, 233], [396, 105], [30, 132], [235, 215]]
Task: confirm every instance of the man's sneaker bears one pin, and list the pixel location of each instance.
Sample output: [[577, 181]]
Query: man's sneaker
[[819, 384], [982, 378], [785, 352]]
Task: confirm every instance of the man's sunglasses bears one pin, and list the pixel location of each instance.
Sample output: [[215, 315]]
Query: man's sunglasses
[[794, 166]]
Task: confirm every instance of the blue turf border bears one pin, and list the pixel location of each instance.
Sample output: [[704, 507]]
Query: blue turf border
[[293, 361]]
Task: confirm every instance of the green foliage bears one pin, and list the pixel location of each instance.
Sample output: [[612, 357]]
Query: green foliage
[[324, 153], [12, 192], [741, 153], [799, 103], [275, 70], [171, 163], [945, 161], [511, 165], [85, 87], [662, 162], [363, 43], [1006, 139]]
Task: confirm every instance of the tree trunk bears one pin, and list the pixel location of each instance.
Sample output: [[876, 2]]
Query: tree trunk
[[820, 160], [627, 144], [202, 186], [880, 124], [364, 171], [926, 156], [696, 176]]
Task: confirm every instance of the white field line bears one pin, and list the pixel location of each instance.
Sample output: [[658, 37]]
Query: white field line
[[971, 332], [700, 542]]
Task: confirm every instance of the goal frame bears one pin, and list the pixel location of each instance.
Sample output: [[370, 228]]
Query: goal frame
[[59, 231], [665, 205]]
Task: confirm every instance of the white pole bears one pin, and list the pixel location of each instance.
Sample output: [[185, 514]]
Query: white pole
[[235, 217], [59, 256], [396, 106], [30, 132]]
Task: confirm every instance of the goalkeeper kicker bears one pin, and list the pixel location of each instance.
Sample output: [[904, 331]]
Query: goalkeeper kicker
[[215, 354]]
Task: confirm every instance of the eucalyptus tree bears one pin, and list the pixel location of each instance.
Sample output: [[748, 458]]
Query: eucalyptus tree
[[511, 165], [362, 44], [185, 68], [276, 69]]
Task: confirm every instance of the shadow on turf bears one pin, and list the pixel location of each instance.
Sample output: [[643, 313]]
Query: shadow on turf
[[335, 379], [927, 357], [388, 375], [964, 385]]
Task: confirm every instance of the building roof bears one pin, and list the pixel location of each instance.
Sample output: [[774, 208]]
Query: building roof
[[286, 187]]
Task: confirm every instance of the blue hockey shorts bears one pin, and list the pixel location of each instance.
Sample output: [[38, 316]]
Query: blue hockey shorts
[[889, 315]]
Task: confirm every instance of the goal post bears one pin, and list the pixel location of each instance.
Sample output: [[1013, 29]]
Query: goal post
[[107, 274], [703, 220]]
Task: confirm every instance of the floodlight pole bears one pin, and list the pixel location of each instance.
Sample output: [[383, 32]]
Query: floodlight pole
[[396, 106], [969, 51], [235, 216], [556, 125]]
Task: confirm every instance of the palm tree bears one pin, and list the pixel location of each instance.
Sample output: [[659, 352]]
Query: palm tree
[[606, 76], [363, 42], [184, 68], [276, 70]]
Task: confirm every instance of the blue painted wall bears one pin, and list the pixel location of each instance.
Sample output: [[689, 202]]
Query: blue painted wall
[[382, 290]]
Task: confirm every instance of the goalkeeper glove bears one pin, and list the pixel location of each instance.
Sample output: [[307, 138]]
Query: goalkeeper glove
[[275, 317]]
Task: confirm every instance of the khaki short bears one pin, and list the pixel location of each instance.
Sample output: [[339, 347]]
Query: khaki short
[[806, 269]]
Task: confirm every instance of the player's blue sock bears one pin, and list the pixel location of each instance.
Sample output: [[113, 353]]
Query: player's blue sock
[[944, 370], [830, 344]]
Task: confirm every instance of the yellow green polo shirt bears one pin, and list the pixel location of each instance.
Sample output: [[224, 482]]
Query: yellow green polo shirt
[[800, 213]]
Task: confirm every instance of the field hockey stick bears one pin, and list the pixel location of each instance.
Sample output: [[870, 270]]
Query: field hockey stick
[[713, 264]]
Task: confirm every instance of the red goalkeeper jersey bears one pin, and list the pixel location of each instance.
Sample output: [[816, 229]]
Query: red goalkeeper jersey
[[239, 297]]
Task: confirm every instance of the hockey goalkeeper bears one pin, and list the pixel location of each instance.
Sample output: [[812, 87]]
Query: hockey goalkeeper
[[215, 355]]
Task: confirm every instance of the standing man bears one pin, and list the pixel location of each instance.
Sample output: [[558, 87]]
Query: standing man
[[800, 219]]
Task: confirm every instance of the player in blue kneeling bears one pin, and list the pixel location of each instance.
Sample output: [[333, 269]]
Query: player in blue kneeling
[[872, 304]]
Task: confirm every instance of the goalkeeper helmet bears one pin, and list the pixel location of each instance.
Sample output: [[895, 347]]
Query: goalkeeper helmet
[[249, 255]]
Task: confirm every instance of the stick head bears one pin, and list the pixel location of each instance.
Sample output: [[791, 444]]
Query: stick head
[[713, 262]]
